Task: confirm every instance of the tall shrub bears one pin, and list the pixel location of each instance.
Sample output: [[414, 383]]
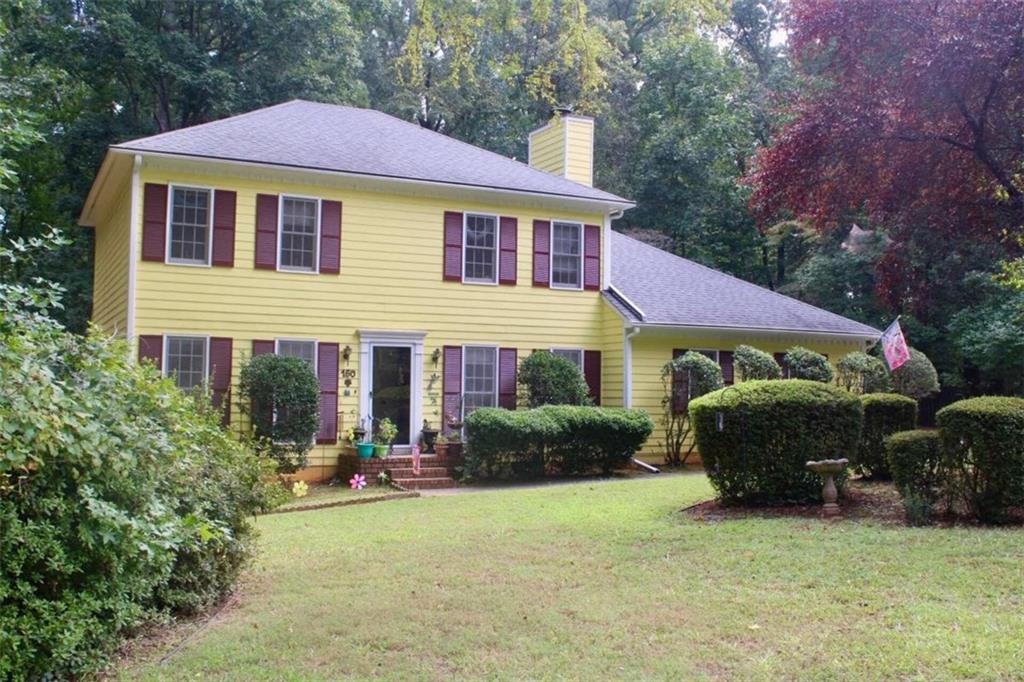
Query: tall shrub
[[916, 378], [859, 372], [884, 415], [548, 379], [752, 364], [803, 363], [915, 460], [689, 376], [755, 438]]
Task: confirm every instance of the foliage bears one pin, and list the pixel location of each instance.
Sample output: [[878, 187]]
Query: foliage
[[756, 437], [806, 364], [983, 446], [884, 415], [548, 379], [916, 378], [386, 432], [555, 439], [754, 364], [281, 397], [989, 334], [862, 373], [915, 458], [699, 374]]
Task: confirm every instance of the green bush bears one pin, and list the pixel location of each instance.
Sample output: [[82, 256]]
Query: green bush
[[806, 364], [884, 415], [688, 376], [915, 459], [281, 396], [983, 455], [862, 373], [916, 378], [548, 379], [752, 364], [120, 498], [554, 439], [755, 438]]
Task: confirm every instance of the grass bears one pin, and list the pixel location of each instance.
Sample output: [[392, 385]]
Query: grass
[[610, 580], [321, 495]]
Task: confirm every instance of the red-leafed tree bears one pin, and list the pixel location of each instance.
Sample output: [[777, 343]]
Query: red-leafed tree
[[914, 114]]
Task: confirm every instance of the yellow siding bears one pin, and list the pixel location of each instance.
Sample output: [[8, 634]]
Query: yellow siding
[[580, 156], [110, 273], [651, 352], [612, 372], [547, 148], [391, 279]]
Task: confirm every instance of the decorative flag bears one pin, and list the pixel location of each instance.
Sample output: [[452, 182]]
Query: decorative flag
[[894, 346], [415, 460]]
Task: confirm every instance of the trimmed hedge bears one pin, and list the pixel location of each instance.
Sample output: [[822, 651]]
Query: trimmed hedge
[[983, 453], [803, 363], [915, 460], [752, 364], [770, 430], [554, 439], [884, 414]]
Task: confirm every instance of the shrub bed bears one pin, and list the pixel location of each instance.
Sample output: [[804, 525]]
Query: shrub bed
[[554, 439], [983, 455], [768, 431], [914, 458], [884, 415]]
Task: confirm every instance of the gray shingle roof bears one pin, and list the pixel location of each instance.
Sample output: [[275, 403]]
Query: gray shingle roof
[[661, 288], [337, 138]]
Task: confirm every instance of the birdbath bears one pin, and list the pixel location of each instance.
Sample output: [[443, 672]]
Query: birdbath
[[827, 469]]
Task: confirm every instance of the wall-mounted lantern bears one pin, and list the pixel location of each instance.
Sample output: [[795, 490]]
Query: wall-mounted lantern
[[435, 357]]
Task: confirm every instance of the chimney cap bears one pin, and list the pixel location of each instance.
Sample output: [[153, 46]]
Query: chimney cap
[[562, 109]]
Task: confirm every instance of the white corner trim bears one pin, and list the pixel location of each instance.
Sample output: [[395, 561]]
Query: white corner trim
[[368, 338], [134, 235]]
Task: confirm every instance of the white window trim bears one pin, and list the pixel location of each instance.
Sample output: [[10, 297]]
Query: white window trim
[[316, 236], [551, 256], [497, 375], [497, 248], [316, 350], [209, 228], [206, 353], [578, 351]]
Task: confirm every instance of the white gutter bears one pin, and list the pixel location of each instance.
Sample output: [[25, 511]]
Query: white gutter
[[640, 313], [627, 365], [134, 232]]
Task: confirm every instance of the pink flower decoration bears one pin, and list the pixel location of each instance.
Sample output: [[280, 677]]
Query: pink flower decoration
[[358, 482]]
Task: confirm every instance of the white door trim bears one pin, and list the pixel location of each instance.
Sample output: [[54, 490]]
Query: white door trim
[[368, 338]]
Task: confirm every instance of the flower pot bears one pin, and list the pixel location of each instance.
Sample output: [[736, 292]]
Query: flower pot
[[365, 450], [440, 449], [429, 436], [381, 450]]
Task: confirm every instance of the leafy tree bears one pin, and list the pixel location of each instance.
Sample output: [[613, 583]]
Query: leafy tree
[[916, 378], [862, 373], [989, 337], [806, 364], [701, 376], [752, 363], [548, 379]]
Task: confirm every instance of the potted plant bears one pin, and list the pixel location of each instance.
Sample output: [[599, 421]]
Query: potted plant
[[441, 445], [365, 449], [429, 435], [386, 434]]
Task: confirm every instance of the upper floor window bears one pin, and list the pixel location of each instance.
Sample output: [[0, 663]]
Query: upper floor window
[[189, 236], [186, 360], [566, 255], [479, 378], [573, 355], [298, 348], [480, 264], [300, 227]]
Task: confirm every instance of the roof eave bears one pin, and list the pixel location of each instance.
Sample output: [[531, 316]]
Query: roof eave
[[867, 336]]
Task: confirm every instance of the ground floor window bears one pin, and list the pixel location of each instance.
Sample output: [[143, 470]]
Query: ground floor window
[[185, 360], [304, 349], [479, 378], [573, 355]]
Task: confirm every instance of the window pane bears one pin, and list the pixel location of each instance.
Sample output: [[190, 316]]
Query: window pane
[[304, 350], [480, 379], [481, 248], [566, 251], [190, 221], [573, 355], [186, 361], [298, 233]]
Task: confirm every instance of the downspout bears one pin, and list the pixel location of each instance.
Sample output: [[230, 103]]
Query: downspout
[[134, 230], [627, 365]]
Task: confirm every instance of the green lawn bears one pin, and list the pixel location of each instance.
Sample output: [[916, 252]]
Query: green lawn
[[609, 580]]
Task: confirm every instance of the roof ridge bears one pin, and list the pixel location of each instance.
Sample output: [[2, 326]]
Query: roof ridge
[[209, 123], [743, 281]]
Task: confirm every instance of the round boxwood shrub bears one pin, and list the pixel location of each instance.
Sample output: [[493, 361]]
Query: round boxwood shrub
[[863, 373], [755, 438], [983, 454], [915, 458], [752, 364], [548, 379], [884, 414], [806, 364], [916, 378]]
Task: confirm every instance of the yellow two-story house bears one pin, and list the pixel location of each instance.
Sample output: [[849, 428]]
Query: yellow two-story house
[[412, 271]]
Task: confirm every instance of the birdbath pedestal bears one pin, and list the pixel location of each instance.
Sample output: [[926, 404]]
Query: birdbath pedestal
[[827, 469]]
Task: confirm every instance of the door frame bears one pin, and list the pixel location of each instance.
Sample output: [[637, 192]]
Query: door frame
[[368, 338]]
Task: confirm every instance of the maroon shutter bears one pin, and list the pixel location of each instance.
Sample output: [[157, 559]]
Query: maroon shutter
[[507, 365], [781, 359], [220, 375], [327, 371], [592, 373], [541, 253], [680, 386], [507, 258], [224, 228], [330, 237], [452, 246], [591, 257], [262, 347], [266, 231], [725, 362], [452, 386], [151, 347], [154, 222]]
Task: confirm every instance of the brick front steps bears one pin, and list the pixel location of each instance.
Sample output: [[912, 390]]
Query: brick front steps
[[435, 471]]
